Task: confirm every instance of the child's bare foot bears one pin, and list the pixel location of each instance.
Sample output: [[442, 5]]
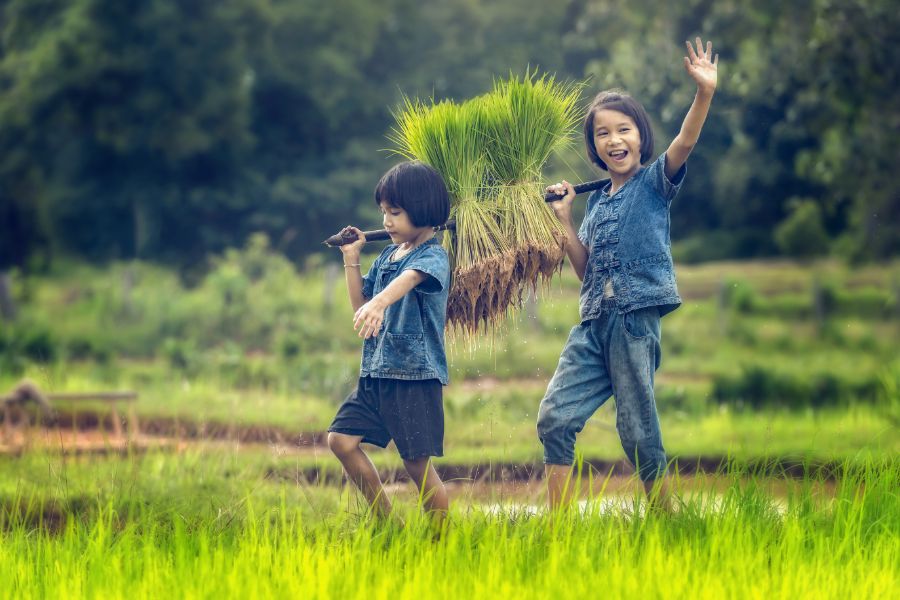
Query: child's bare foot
[[439, 527], [660, 507], [659, 497]]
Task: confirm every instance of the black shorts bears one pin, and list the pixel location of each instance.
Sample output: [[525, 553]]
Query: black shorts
[[409, 412]]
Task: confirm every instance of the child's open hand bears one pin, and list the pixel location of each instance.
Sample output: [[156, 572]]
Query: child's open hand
[[368, 318], [701, 66]]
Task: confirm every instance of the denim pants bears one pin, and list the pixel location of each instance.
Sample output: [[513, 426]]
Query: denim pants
[[614, 354]]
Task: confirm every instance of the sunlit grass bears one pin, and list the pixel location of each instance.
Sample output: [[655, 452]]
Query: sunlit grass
[[728, 538]]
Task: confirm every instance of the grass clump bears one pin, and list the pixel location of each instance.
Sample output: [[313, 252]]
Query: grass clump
[[732, 537]]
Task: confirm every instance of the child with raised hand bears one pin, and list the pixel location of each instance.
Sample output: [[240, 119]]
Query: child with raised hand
[[400, 312], [622, 254]]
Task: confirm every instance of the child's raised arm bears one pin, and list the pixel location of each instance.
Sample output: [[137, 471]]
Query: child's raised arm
[[702, 68]]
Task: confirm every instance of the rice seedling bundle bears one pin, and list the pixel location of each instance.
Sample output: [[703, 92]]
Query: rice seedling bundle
[[490, 151], [445, 135], [528, 119]]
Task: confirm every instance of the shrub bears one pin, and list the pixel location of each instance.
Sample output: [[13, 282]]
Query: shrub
[[802, 234], [87, 348], [758, 387], [181, 354], [723, 245], [37, 343], [740, 296]]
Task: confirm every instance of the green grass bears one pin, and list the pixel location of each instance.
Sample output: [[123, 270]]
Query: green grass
[[492, 419], [242, 348], [296, 382], [207, 527], [830, 435]]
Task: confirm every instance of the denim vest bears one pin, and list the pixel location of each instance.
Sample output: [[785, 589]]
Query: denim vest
[[627, 237], [410, 343]]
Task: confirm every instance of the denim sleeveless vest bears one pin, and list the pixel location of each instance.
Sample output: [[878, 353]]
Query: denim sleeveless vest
[[410, 344], [628, 242]]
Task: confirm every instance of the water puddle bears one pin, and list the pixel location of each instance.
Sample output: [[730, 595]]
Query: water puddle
[[706, 494]]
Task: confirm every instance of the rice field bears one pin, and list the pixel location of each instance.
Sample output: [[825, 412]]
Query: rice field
[[227, 515], [196, 525]]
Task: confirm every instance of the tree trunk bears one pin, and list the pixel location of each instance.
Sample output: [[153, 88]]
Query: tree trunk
[[7, 304], [331, 277], [128, 278]]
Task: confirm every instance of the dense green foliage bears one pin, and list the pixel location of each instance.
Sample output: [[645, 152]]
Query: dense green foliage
[[167, 130]]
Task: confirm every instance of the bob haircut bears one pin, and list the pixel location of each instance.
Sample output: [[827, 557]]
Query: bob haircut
[[419, 190], [621, 102]]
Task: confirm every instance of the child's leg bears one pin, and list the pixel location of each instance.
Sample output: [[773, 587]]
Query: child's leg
[[413, 412], [360, 470], [659, 493], [634, 358], [561, 487], [434, 494], [578, 388]]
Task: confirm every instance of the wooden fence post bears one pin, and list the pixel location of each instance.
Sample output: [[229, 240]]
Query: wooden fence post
[[331, 277], [7, 304], [7, 424]]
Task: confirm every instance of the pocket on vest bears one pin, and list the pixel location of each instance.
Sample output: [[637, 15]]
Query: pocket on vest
[[404, 352], [650, 277]]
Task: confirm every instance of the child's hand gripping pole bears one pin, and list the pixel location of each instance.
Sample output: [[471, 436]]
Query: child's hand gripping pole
[[348, 237], [587, 186]]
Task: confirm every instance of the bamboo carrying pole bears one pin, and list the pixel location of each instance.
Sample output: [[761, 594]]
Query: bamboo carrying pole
[[374, 236], [381, 234]]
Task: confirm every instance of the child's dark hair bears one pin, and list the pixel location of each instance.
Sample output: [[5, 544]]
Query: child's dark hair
[[419, 190], [619, 101]]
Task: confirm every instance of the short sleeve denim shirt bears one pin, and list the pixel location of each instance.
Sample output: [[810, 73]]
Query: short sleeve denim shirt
[[628, 241], [410, 344]]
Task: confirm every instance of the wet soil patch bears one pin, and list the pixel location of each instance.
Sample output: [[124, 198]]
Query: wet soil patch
[[499, 472], [175, 433], [49, 516], [181, 428]]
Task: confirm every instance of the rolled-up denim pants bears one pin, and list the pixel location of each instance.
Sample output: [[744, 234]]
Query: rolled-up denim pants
[[614, 354]]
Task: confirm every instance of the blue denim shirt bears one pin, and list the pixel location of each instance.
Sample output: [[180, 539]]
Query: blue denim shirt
[[410, 343], [628, 242]]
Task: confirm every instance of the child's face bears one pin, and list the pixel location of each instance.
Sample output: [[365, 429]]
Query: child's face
[[618, 142], [396, 222]]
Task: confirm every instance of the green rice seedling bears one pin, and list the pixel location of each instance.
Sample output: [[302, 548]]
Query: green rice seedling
[[736, 542], [490, 151], [526, 120], [447, 136]]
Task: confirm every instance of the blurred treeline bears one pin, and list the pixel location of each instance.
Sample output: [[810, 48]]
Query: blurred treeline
[[167, 130]]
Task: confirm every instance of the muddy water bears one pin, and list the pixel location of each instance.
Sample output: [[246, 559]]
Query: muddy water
[[494, 487], [616, 494]]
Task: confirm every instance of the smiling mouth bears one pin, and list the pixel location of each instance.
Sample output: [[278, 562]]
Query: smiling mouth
[[618, 155]]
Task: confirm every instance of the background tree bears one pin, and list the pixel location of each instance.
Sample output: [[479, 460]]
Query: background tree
[[168, 129], [802, 234]]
